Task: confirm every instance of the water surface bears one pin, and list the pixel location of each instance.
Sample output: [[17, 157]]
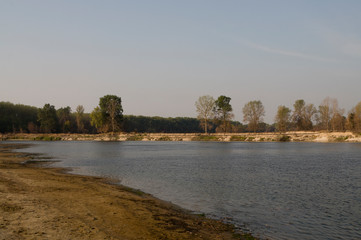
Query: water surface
[[276, 190]]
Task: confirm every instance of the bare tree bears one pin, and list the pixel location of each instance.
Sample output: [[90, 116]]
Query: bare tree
[[282, 118], [253, 113], [325, 113], [205, 106], [357, 117], [309, 112], [330, 115], [337, 119]]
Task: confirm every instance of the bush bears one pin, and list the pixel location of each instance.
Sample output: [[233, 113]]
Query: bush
[[284, 138], [164, 139]]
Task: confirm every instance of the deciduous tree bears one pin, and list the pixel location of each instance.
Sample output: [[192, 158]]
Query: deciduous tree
[[282, 118], [64, 119], [111, 109], [253, 113], [47, 118], [97, 120], [205, 109], [303, 115], [298, 113], [80, 118], [223, 111]]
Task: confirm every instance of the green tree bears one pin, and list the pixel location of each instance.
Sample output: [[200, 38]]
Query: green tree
[[253, 113], [223, 111], [64, 118], [80, 118], [47, 118], [282, 118], [17, 117], [112, 111], [205, 106], [97, 120]]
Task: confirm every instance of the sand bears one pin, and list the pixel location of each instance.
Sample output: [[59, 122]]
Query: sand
[[41, 202]]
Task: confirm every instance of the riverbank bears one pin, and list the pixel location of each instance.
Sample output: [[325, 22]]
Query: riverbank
[[47, 203], [296, 136]]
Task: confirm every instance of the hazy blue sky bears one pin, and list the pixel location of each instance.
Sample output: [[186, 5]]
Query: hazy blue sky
[[160, 56]]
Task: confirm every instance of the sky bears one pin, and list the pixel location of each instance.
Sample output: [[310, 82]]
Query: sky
[[161, 56]]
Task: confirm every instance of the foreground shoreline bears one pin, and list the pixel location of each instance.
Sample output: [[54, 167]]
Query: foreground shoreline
[[48, 203], [295, 136]]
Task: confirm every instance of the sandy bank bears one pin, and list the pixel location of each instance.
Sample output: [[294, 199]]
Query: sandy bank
[[296, 136], [46, 203]]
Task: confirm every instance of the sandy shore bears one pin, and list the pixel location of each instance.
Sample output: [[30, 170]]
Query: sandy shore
[[296, 136], [46, 203]]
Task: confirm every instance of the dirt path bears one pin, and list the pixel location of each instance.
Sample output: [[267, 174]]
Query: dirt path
[[45, 203]]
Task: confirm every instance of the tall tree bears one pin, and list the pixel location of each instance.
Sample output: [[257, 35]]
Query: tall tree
[[297, 116], [324, 111], [47, 118], [253, 113], [330, 115], [112, 111], [80, 118], [223, 110], [282, 118], [357, 117], [97, 120], [308, 116], [337, 121], [205, 106], [64, 119], [303, 115]]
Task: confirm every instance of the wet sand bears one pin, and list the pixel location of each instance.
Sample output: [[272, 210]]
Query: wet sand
[[41, 202]]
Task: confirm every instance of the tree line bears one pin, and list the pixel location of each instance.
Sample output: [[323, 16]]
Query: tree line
[[304, 117], [214, 115]]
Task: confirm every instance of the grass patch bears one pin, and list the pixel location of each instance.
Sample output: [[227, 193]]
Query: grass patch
[[250, 139], [238, 138], [205, 138], [341, 139], [135, 138], [47, 138]]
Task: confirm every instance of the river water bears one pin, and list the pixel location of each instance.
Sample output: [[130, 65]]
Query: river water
[[274, 190]]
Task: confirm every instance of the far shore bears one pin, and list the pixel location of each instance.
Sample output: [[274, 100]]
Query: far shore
[[41, 202], [294, 136]]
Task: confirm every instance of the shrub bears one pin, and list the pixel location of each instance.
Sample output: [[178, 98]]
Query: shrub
[[284, 138]]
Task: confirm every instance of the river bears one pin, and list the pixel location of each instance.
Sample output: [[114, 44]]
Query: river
[[275, 190]]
